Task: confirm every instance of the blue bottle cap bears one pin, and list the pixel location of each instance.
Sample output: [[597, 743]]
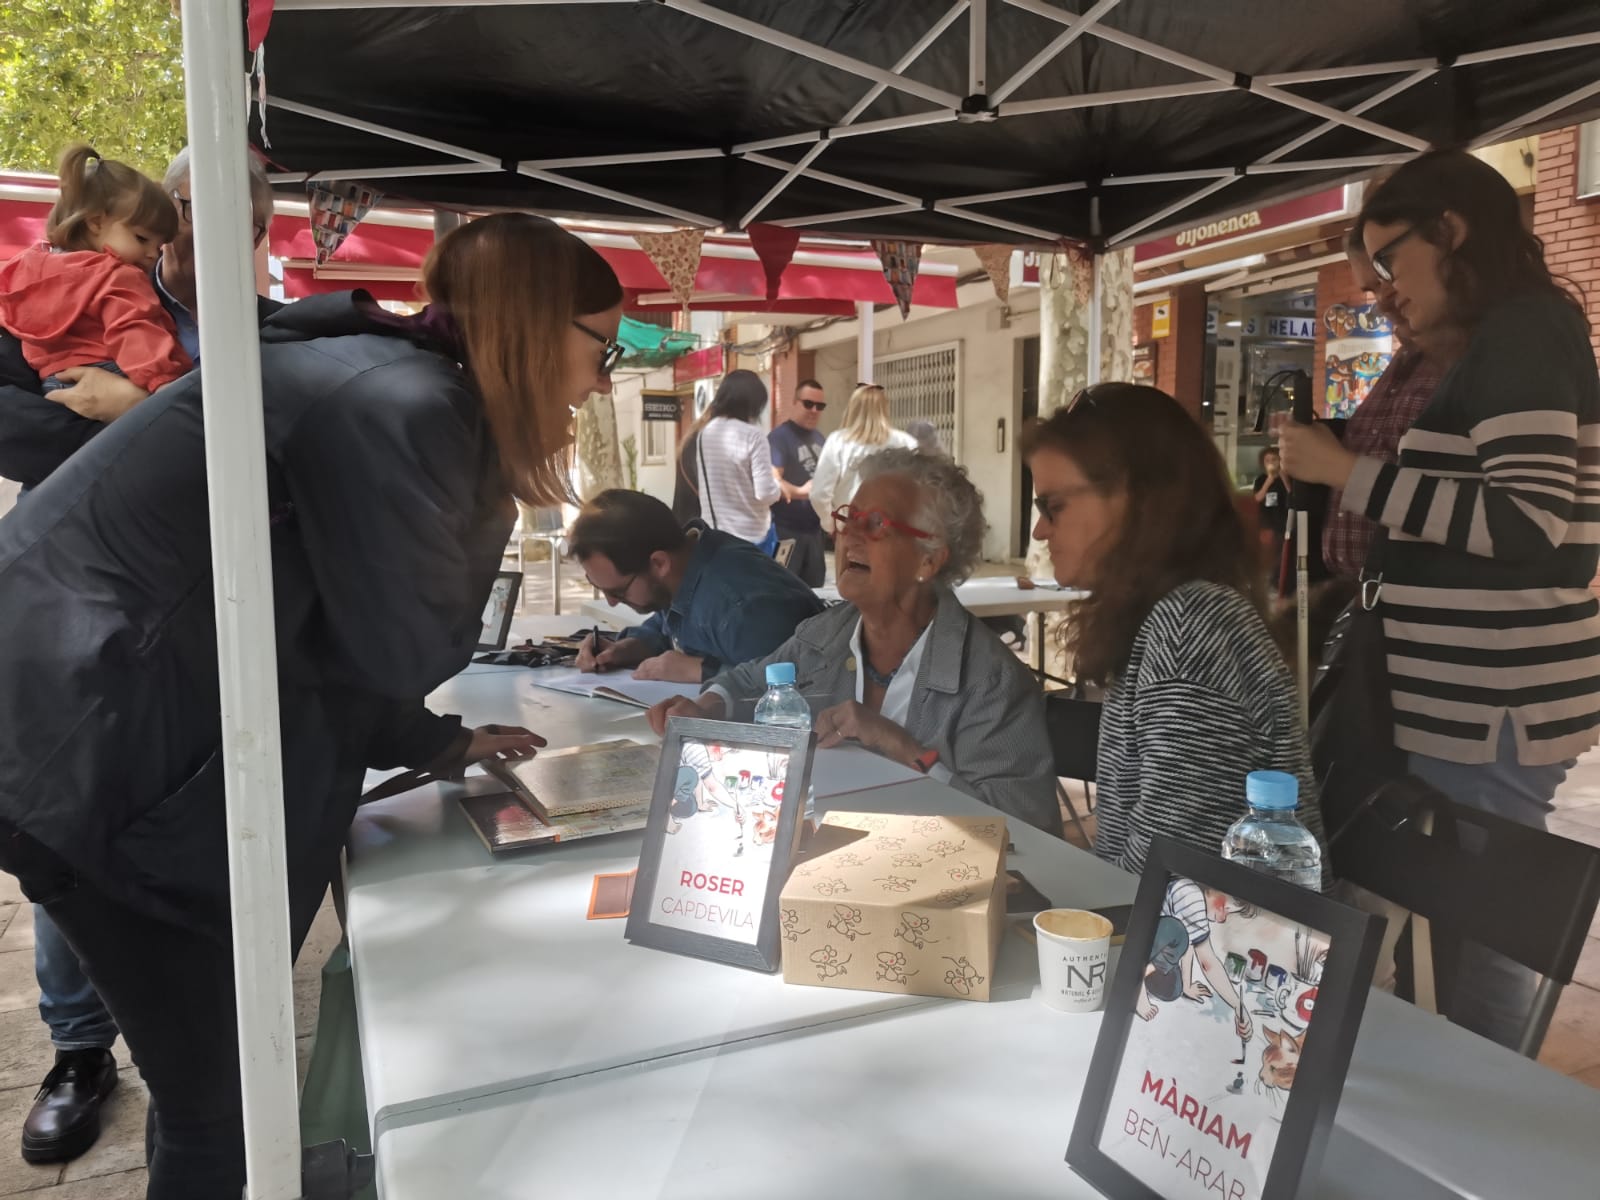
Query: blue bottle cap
[[779, 674], [1271, 789]]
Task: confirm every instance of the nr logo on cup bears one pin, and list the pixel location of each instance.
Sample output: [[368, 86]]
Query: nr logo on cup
[[1074, 947]]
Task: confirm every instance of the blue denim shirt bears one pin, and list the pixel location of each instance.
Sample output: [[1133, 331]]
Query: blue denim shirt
[[188, 328], [734, 605]]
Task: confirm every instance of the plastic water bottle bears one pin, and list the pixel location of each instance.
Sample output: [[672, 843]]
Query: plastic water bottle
[[783, 704], [1269, 838]]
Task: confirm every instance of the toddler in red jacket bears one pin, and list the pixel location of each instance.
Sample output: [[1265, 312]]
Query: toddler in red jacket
[[85, 297]]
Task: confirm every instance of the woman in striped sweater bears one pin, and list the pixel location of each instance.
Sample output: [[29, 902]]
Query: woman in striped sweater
[[1135, 505], [1492, 513]]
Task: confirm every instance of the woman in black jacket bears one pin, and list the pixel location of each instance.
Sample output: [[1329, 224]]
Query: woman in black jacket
[[394, 449]]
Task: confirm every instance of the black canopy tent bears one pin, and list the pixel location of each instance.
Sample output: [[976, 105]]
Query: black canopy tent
[[946, 120]]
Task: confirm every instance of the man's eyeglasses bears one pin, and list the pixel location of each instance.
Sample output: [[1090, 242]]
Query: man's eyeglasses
[[618, 594], [1382, 265], [814, 405], [872, 523], [186, 211], [613, 352]]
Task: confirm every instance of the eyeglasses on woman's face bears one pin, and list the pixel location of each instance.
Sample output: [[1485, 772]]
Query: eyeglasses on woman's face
[[872, 523], [613, 350], [1383, 256]]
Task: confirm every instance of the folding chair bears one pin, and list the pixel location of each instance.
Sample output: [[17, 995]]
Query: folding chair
[[1474, 876], [1074, 729]]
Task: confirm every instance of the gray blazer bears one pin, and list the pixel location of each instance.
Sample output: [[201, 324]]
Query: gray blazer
[[974, 702]]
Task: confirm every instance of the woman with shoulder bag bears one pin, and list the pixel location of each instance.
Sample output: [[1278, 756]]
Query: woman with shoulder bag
[[1492, 638]]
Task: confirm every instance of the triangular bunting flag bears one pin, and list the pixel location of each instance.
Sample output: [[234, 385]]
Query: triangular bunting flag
[[336, 209], [774, 246], [996, 261], [677, 256], [900, 261]]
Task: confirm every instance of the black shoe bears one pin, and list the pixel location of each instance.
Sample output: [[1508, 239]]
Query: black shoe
[[65, 1118]]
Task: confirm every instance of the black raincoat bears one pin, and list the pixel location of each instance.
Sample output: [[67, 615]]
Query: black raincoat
[[389, 515]]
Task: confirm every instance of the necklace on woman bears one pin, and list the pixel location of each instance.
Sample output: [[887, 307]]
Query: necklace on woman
[[878, 678]]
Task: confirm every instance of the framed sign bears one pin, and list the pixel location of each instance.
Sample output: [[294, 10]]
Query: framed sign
[[724, 825], [1226, 1036], [660, 406], [498, 611]]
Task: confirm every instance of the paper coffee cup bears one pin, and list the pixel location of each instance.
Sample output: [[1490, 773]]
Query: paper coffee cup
[[1074, 948]]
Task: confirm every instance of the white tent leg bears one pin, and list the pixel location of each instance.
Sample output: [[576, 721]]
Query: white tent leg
[[247, 661], [1097, 324], [864, 321]]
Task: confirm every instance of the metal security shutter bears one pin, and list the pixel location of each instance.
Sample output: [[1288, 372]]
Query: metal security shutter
[[922, 387]]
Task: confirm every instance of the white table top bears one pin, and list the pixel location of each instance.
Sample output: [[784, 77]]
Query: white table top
[[506, 1039]]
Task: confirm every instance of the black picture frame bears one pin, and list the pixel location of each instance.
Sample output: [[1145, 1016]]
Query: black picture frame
[[502, 629], [1324, 1045], [651, 890]]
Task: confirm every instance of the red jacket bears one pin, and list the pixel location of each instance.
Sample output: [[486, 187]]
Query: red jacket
[[75, 308]]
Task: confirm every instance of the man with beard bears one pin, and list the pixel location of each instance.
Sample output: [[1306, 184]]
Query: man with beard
[[716, 600]]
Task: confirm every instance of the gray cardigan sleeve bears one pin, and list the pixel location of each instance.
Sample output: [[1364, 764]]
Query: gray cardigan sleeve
[[1000, 752], [741, 686]]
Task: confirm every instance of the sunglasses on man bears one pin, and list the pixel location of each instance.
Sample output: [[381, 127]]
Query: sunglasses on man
[[813, 405]]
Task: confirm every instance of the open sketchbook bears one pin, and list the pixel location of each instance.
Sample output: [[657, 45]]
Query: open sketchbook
[[600, 778], [619, 686]]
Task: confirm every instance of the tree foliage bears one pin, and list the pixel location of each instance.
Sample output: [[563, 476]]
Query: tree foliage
[[107, 72]]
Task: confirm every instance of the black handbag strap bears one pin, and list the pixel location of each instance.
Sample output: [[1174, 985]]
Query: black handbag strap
[[705, 480]]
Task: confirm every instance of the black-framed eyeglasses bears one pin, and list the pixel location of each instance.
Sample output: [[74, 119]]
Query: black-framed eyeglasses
[[1083, 396], [618, 594], [1049, 504], [186, 211], [611, 355], [814, 405], [1381, 265]]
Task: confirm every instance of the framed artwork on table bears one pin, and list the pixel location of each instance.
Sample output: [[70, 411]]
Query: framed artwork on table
[[497, 613], [1226, 1036], [722, 832]]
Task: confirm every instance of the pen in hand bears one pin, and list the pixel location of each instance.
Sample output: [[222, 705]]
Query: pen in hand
[[594, 649]]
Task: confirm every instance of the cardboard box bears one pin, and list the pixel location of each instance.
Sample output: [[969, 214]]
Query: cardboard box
[[891, 903]]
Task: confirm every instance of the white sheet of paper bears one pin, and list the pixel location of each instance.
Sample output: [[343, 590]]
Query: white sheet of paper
[[578, 683], [853, 769]]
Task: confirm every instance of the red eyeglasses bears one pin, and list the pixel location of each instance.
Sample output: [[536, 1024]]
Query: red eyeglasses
[[872, 523]]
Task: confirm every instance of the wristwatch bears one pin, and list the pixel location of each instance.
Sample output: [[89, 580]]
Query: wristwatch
[[924, 761]]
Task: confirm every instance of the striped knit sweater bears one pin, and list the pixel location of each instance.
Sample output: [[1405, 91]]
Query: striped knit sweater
[[1493, 515], [1205, 699]]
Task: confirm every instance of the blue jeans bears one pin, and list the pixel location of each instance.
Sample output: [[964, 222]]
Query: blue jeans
[[1493, 994], [54, 384], [769, 544], [68, 1003]]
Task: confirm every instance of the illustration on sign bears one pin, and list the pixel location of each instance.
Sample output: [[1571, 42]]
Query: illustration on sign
[[1360, 346], [1227, 995]]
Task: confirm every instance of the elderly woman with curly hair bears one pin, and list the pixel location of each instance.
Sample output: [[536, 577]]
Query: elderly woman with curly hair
[[901, 667]]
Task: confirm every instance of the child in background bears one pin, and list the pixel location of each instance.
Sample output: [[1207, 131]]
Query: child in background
[[85, 298]]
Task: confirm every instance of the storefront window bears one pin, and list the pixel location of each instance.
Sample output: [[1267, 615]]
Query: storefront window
[[1589, 159]]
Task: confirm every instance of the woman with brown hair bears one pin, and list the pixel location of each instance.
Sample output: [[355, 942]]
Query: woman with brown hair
[[394, 448], [1135, 506]]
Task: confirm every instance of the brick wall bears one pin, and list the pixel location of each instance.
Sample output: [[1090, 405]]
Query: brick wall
[[1181, 355], [1569, 227]]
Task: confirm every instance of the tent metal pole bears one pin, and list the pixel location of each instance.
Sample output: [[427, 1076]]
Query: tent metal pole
[[837, 180], [1050, 189], [1358, 162], [241, 571], [410, 139], [1287, 148], [1032, 231], [1168, 176], [381, 173], [1097, 322], [1329, 113], [1072, 33], [622, 160], [865, 316], [978, 48], [887, 125], [605, 193], [1570, 42], [1357, 71], [830, 58], [1165, 91], [854, 214], [1538, 114], [859, 107]]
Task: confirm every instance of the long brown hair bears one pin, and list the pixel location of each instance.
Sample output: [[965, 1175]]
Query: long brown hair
[[93, 187], [1179, 524], [513, 284], [1497, 260]]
